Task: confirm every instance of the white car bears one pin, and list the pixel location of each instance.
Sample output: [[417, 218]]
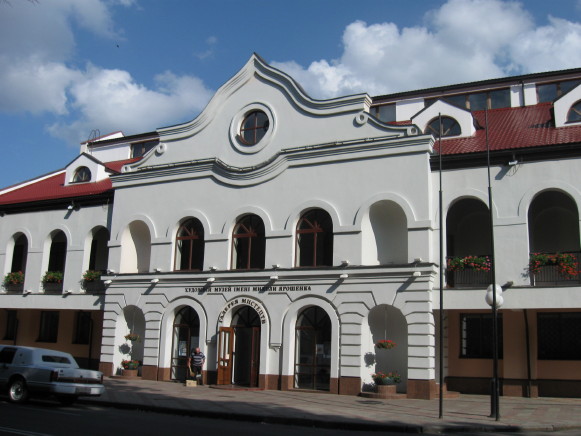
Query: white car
[[27, 371]]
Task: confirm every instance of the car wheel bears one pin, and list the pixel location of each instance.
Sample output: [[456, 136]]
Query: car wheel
[[18, 391], [67, 400]]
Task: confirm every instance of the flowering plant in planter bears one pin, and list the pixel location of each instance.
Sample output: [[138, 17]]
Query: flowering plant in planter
[[389, 378], [132, 337], [475, 263], [92, 275], [14, 278], [130, 364], [386, 344], [52, 277], [566, 263]]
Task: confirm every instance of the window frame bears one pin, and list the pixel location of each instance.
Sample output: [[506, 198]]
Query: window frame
[[83, 327], [258, 131], [250, 230], [11, 329], [430, 129], [484, 341], [82, 175], [565, 335], [196, 250], [320, 226]]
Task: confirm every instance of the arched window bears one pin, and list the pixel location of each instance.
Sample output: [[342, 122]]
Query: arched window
[[82, 174], [574, 114], [313, 349], [99, 256], [314, 238], [449, 127], [190, 246], [58, 252], [20, 253], [248, 243]]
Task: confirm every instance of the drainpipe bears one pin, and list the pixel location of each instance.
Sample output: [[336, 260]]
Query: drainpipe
[[90, 339], [528, 343]]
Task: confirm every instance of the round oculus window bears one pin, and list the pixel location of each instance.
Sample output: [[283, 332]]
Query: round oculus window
[[254, 127]]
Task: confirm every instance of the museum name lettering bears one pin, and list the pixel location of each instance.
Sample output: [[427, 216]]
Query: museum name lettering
[[226, 289]]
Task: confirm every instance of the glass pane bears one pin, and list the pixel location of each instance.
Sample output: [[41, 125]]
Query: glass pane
[[568, 85], [457, 100], [500, 98], [477, 101], [547, 92], [386, 113]]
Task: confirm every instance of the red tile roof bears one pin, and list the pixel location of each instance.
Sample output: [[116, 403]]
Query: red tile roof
[[511, 128], [52, 187]]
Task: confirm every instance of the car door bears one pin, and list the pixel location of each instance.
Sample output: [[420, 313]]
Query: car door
[[6, 357]]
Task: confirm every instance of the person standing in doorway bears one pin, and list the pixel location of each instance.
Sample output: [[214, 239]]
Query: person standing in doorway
[[196, 362]]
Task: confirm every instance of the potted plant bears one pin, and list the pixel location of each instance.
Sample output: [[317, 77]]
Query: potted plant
[[52, 281], [133, 337], [92, 275], [14, 281], [130, 364], [566, 263], [92, 280], [386, 344], [389, 378], [474, 263]]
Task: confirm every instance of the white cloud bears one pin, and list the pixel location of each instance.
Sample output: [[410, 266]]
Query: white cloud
[[37, 44], [463, 40], [111, 100]]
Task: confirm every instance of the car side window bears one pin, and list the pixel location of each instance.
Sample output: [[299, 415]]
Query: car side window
[[55, 359], [7, 354]]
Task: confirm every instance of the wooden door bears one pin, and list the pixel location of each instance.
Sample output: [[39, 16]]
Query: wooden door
[[225, 345], [255, 357]]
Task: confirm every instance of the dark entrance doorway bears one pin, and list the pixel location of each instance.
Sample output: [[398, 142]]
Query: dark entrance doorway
[[313, 350], [186, 335], [246, 324]]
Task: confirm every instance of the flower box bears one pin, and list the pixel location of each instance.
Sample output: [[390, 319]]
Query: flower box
[[386, 344], [386, 379]]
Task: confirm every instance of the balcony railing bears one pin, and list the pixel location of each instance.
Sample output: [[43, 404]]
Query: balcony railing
[[468, 277], [550, 274]]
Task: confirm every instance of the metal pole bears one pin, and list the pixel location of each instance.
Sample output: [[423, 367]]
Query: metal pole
[[494, 395], [441, 333]]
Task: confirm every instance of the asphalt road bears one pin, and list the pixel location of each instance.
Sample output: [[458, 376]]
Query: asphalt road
[[48, 418]]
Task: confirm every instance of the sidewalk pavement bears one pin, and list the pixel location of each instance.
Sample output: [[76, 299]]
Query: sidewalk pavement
[[467, 413]]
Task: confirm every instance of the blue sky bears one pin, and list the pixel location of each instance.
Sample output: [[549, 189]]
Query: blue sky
[[68, 67]]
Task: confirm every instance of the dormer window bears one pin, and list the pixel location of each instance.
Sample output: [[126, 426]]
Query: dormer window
[[449, 127], [574, 115], [83, 174]]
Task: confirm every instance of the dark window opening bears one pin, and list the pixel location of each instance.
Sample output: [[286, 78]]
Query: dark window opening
[[448, 127], [83, 328], [315, 239], [476, 336], [58, 252], [249, 243], [190, 246], [83, 174], [49, 326], [141, 148], [254, 127], [559, 336], [20, 254], [11, 325]]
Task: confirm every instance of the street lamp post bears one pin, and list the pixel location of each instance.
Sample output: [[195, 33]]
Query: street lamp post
[[494, 299]]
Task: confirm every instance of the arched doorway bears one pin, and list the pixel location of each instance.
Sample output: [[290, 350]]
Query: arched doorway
[[239, 349], [185, 337], [313, 350]]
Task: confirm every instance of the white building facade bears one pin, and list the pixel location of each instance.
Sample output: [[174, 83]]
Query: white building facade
[[286, 237]]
